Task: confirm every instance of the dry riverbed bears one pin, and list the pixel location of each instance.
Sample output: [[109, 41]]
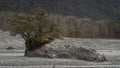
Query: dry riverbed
[[12, 51]]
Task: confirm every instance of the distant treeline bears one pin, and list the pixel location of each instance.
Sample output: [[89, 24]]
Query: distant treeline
[[87, 28], [99, 9], [71, 26]]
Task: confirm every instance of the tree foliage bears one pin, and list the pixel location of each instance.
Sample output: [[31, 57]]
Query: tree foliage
[[35, 27]]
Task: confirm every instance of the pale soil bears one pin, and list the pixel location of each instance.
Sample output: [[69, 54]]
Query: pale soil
[[108, 47]]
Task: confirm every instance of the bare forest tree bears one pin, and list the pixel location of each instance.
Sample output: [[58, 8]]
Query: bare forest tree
[[71, 26]]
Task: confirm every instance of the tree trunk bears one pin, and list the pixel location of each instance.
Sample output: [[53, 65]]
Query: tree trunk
[[34, 48]]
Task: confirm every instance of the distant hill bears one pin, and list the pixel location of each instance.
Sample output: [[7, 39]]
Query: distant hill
[[100, 9]]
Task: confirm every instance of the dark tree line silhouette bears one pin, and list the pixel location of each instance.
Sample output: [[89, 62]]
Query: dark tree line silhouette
[[99, 9]]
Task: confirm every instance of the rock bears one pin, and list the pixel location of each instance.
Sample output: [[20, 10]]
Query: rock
[[10, 48], [101, 58], [67, 52], [75, 53]]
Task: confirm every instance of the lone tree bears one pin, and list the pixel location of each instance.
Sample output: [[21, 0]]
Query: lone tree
[[36, 28]]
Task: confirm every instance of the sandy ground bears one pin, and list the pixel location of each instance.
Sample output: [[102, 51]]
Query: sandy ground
[[14, 57]]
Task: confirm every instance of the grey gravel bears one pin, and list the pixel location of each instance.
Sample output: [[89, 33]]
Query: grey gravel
[[104, 46]]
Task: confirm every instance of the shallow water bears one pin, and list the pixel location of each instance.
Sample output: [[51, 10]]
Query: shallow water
[[21, 52], [11, 54], [110, 52]]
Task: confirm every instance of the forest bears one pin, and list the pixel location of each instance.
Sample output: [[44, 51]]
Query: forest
[[71, 26], [97, 9], [77, 18]]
